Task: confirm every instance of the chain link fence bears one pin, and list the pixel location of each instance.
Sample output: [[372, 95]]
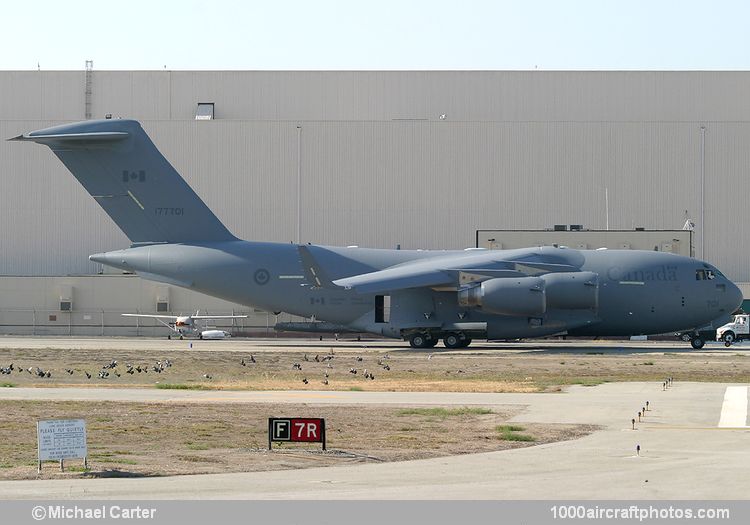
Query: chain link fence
[[113, 323]]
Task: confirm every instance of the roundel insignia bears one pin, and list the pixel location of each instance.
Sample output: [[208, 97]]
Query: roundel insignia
[[262, 277]]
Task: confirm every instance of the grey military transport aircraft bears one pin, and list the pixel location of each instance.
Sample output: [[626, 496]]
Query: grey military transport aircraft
[[419, 296]]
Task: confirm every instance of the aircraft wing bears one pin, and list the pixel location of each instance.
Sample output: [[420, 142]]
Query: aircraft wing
[[217, 316], [435, 274], [152, 316]]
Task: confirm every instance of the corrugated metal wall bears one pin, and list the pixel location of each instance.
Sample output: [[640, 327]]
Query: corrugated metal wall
[[516, 150]]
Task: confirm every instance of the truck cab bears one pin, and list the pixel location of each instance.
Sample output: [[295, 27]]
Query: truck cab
[[737, 330]]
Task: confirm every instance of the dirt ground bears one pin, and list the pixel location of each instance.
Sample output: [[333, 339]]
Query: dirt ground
[[376, 369], [157, 439]]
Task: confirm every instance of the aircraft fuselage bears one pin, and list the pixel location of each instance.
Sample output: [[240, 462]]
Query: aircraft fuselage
[[638, 292]]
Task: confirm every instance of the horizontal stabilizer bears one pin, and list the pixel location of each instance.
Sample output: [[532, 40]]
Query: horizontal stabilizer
[[48, 138]]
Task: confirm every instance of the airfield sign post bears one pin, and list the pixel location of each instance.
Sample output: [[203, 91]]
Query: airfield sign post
[[296, 430], [61, 439]]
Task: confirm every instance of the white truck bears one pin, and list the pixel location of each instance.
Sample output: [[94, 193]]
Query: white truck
[[737, 330]]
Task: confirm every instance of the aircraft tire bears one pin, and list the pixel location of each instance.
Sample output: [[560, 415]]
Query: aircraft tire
[[697, 342], [431, 343], [169, 337], [465, 343], [418, 340], [453, 340], [729, 338]]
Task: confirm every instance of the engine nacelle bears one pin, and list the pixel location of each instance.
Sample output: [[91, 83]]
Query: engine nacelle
[[519, 296], [572, 291]]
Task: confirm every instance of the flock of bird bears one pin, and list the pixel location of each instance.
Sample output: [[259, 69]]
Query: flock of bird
[[109, 369], [114, 369], [353, 370]]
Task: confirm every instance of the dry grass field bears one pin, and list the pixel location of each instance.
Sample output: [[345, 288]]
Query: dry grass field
[[376, 369], [158, 439]]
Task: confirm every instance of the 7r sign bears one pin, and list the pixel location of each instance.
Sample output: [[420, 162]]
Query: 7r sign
[[296, 429]]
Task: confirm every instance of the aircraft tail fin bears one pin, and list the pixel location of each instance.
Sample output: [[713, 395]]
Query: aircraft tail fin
[[120, 167]]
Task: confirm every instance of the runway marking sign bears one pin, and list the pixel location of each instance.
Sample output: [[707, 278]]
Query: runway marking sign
[[734, 408], [297, 430]]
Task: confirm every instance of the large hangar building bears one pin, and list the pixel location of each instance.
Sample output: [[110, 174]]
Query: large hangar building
[[417, 159]]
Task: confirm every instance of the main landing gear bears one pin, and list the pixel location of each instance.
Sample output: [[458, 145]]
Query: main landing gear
[[450, 340], [697, 342], [456, 340], [422, 340]]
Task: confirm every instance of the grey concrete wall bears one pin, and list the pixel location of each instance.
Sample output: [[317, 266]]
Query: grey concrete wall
[[382, 95], [517, 150], [31, 306]]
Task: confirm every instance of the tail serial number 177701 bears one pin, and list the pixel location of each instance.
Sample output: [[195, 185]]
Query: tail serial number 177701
[[169, 211]]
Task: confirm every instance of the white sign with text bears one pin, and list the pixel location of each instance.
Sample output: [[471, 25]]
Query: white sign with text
[[61, 439]]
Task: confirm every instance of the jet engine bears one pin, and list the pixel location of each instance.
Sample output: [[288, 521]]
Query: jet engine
[[572, 291], [520, 296]]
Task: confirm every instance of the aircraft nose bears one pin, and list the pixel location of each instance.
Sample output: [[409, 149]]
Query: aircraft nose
[[734, 297]]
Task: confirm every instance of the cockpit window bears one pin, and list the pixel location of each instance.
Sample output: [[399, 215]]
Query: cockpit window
[[705, 275]]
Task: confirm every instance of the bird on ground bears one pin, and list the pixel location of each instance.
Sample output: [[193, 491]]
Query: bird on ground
[[88, 376], [252, 358], [207, 376], [325, 381], [304, 380], [242, 362], [69, 371]]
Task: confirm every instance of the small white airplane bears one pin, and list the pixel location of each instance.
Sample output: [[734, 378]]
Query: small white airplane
[[185, 324]]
